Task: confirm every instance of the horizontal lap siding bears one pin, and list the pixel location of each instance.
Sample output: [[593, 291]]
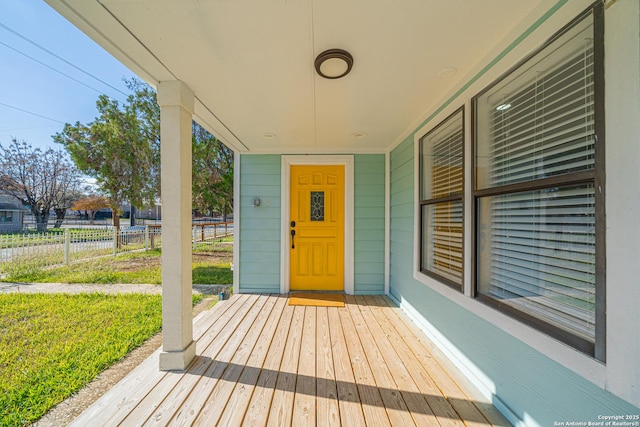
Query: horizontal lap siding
[[369, 187], [533, 386], [260, 226], [401, 222]]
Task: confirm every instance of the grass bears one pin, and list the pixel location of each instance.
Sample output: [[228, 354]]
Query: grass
[[218, 245], [51, 345], [135, 268]]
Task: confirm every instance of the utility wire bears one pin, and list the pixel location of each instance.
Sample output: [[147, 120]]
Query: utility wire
[[60, 58], [51, 68], [11, 129], [30, 112]]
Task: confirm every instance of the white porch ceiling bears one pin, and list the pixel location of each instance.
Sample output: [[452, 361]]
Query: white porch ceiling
[[250, 63]]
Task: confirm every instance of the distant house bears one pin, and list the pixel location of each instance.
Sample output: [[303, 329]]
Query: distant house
[[146, 212], [11, 214]]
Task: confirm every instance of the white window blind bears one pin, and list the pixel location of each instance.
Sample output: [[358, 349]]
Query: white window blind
[[442, 159], [539, 255], [443, 245], [537, 241], [549, 129], [441, 204], [539, 121]]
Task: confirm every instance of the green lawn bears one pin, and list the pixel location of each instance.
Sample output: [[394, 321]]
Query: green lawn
[[51, 345], [139, 267]]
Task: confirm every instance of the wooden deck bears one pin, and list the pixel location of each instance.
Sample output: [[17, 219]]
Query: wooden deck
[[262, 362]]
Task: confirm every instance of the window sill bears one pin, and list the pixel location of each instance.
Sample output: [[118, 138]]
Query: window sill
[[572, 359]]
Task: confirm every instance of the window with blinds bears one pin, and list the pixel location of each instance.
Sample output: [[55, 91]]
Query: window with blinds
[[537, 171], [441, 171]]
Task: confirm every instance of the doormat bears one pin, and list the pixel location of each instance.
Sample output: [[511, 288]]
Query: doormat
[[317, 300]]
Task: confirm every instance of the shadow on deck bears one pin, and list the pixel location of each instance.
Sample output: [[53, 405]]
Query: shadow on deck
[[263, 362]]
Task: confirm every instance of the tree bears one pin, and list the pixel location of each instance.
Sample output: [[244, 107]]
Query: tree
[[91, 204], [69, 191], [37, 178], [143, 103], [120, 148], [212, 181]]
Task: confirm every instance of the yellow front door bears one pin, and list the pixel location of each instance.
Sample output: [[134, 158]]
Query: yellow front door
[[316, 228]]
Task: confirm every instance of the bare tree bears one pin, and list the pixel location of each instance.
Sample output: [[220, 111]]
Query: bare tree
[[70, 189], [35, 177]]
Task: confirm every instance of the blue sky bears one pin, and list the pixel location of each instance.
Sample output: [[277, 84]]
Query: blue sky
[[28, 85]]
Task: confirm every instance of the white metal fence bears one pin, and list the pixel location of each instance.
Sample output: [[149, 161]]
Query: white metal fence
[[37, 250]]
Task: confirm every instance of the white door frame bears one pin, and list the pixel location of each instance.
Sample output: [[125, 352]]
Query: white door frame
[[286, 162]]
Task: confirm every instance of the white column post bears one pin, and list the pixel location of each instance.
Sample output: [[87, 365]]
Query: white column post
[[176, 102]]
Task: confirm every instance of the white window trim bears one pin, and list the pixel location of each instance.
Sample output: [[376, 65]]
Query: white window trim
[[285, 174], [621, 373], [562, 353], [235, 287]]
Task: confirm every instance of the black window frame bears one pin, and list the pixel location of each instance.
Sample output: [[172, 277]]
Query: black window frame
[[596, 176], [424, 203]]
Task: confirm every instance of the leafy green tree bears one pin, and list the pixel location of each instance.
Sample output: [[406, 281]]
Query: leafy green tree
[[39, 179], [144, 104], [212, 182], [120, 148]]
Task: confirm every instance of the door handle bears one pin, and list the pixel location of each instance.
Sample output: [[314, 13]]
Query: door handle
[[293, 235]]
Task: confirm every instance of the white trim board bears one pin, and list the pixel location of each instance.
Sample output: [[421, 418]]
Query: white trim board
[[236, 223], [572, 359], [285, 174], [484, 385], [562, 353]]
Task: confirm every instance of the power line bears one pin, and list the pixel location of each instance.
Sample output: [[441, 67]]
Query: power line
[[51, 68], [30, 112], [11, 129], [59, 58]]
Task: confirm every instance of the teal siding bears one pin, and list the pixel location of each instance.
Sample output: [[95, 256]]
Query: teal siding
[[369, 199], [401, 221], [530, 384], [259, 227], [259, 266]]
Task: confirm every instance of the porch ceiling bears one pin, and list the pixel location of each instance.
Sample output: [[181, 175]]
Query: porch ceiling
[[250, 64]]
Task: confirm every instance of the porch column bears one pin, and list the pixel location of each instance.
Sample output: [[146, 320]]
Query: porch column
[[176, 102]]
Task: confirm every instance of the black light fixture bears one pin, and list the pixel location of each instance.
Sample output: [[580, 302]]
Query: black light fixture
[[334, 63]]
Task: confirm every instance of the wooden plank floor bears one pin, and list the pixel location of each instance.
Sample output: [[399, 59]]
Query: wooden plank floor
[[262, 362]]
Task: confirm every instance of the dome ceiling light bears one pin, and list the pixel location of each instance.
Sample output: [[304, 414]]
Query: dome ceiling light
[[334, 63]]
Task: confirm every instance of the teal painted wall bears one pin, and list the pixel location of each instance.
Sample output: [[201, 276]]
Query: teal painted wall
[[259, 265], [259, 227], [368, 213], [530, 384]]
